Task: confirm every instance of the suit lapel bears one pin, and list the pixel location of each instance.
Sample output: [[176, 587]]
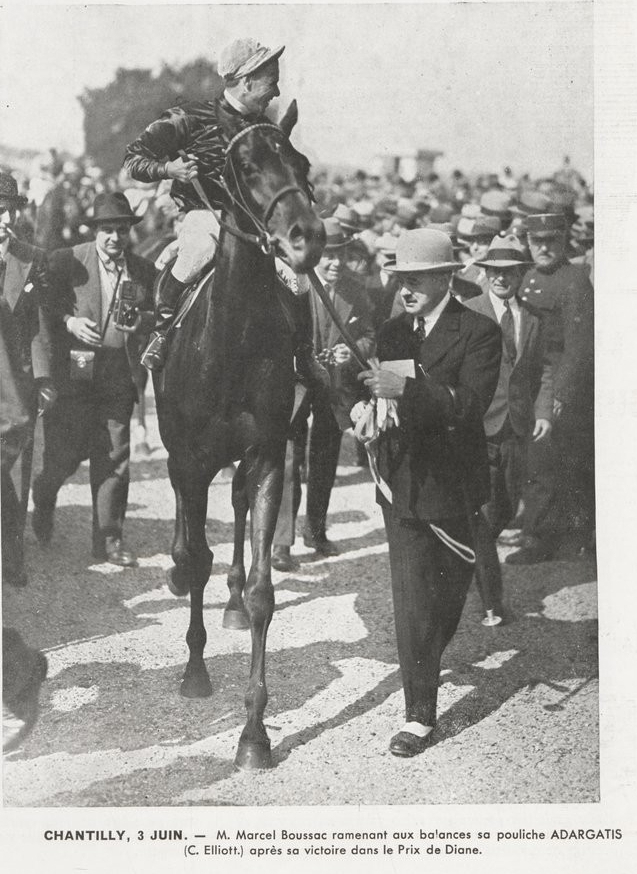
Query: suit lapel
[[444, 334], [91, 290], [343, 306], [19, 261], [525, 329]]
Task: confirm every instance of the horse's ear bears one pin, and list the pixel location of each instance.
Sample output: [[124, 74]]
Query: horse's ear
[[289, 119]]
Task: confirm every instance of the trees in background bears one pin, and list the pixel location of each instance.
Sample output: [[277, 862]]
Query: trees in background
[[116, 114]]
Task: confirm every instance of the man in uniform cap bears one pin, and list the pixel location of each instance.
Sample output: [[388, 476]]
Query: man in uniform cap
[[559, 497], [251, 74], [439, 364]]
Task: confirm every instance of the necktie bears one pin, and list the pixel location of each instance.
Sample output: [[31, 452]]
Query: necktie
[[508, 331], [420, 330]]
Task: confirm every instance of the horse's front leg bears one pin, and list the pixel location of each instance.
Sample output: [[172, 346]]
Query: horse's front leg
[[235, 615], [265, 486], [193, 563]]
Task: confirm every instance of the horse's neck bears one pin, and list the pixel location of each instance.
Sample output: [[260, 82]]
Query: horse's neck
[[242, 284]]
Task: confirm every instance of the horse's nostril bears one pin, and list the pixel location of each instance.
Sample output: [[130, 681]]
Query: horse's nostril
[[296, 234]]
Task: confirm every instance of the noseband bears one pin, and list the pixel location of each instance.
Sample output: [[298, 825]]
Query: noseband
[[262, 239]]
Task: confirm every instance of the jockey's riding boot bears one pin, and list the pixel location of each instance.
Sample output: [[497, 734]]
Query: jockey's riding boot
[[169, 292]]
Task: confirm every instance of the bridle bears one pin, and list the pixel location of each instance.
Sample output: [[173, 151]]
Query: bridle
[[262, 238]]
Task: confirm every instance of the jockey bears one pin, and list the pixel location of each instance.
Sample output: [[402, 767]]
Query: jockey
[[251, 74]]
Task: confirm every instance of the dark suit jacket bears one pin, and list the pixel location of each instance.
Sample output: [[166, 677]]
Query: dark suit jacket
[[564, 297], [435, 462], [353, 308], [525, 386], [25, 287], [76, 291]]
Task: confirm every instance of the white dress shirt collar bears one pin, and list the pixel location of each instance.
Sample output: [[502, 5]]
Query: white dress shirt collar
[[432, 317], [235, 104]]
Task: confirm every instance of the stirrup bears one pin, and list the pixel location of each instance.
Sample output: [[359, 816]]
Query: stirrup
[[154, 355]]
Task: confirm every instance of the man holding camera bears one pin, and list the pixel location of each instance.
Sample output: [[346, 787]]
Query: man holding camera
[[102, 301]]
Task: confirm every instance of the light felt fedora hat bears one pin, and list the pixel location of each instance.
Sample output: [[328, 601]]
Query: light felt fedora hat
[[335, 236], [505, 252], [423, 251]]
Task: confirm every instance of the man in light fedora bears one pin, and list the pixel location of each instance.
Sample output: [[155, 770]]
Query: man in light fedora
[[102, 312], [521, 411], [251, 75], [440, 363]]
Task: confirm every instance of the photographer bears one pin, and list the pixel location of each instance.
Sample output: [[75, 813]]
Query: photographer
[[102, 312]]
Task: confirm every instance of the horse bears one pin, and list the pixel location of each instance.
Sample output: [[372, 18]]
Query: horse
[[226, 393]]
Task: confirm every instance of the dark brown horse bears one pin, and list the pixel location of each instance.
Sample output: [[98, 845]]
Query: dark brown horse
[[226, 393]]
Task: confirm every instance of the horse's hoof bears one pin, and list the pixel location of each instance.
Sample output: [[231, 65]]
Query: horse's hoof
[[196, 686], [253, 756], [177, 582], [236, 620]]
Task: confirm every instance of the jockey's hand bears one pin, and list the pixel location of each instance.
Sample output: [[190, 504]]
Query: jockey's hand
[[184, 171], [341, 354], [383, 383], [84, 329]]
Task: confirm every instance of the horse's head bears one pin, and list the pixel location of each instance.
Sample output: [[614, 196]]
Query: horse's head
[[268, 182]]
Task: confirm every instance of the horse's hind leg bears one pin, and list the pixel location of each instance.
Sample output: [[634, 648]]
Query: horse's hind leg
[[235, 615], [265, 484]]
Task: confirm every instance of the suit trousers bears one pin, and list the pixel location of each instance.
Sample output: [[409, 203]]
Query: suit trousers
[[93, 423], [507, 463], [429, 589], [325, 445], [559, 494]]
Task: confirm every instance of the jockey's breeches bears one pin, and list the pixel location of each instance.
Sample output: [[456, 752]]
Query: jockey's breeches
[[197, 241]]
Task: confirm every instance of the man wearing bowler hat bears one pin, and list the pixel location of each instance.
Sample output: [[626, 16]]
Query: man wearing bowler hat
[[102, 313], [559, 496], [251, 74], [24, 292], [439, 364]]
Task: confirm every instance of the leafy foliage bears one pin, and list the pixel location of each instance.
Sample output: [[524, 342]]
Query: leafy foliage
[[116, 114]]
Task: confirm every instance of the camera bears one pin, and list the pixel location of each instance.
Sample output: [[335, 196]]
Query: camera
[[125, 311]]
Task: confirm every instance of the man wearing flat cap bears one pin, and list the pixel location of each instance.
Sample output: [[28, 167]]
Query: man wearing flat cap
[[251, 74], [559, 498], [102, 308], [25, 294], [439, 365]]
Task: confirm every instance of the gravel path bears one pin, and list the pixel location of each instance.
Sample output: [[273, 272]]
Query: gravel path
[[518, 704]]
